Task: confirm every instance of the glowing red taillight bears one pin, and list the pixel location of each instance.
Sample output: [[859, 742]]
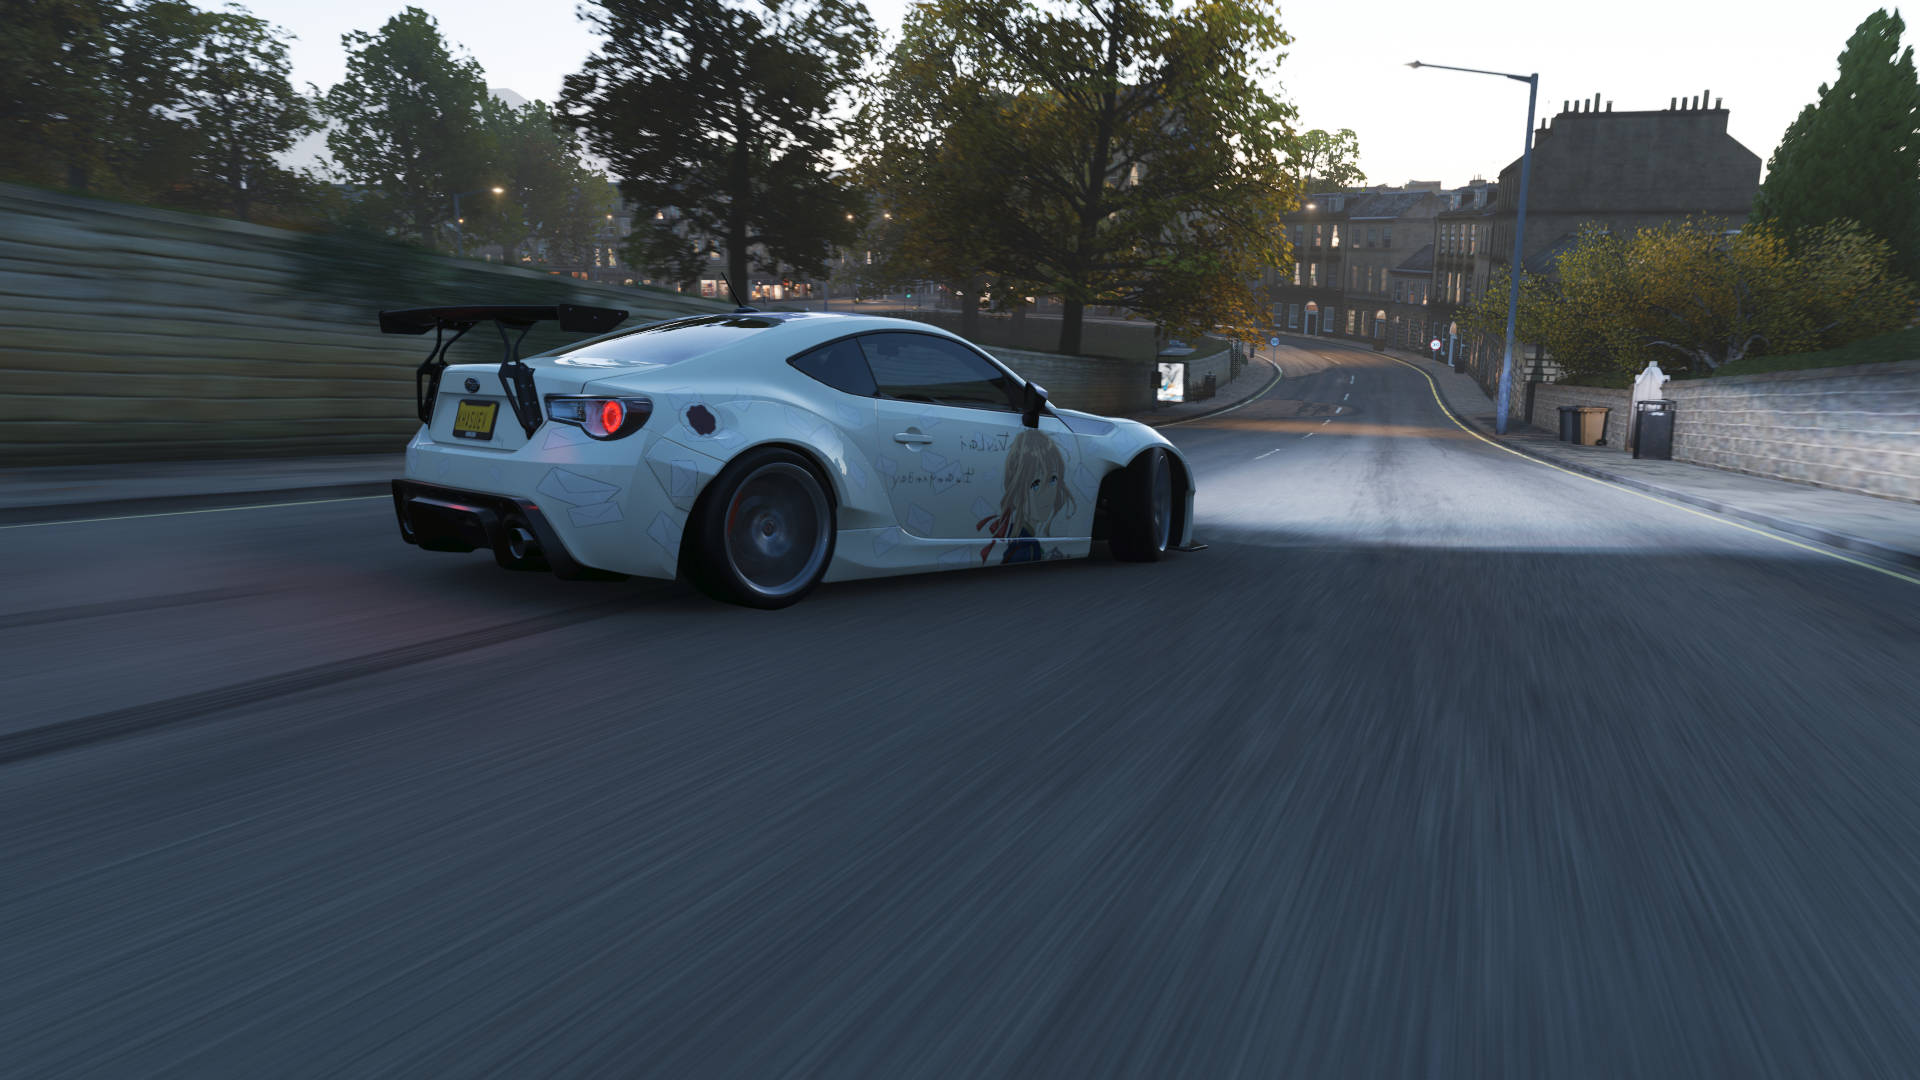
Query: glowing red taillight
[[612, 415]]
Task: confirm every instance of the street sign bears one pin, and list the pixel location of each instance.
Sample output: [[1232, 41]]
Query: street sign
[[1274, 341], [1434, 344]]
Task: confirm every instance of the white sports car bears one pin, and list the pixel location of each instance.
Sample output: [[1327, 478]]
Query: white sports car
[[759, 454]]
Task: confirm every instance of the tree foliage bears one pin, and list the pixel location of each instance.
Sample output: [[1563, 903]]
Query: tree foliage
[[1117, 152], [718, 116], [244, 110], [1854, 154], [408, 124], [1327, 161], [157, 100], [1692, 291]]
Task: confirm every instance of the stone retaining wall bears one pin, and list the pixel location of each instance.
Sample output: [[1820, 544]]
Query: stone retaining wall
[[128, 333], [1088, 383], [1849, 428]]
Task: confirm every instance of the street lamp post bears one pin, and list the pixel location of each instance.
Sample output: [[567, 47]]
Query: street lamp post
[[1519, 233], [460, 234]]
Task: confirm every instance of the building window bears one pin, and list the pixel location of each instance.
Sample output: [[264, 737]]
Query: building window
[[1293, 316], [1299, 236], [1313, 274], [1339, 204], [1473, 248], [1353, 278], [1352, 315], [1373, 236], [1386, 237], [1296, 272], [1334, 232]]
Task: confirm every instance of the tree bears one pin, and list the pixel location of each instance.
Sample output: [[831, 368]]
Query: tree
[[245, 111], [55, 58], [718, 117], [927, 128], [1690, 290], [408, 122], [554, 204], [1322, 161], [1123, 152], [1854, 154]]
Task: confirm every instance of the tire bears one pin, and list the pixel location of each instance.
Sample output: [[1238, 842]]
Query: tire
[[762, 535], [1143, 514]]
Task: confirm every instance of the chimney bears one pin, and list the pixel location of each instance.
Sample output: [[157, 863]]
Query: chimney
[[1672, 104], [1717, 103], [1596, 104], [1696, 102], [1609, 106]]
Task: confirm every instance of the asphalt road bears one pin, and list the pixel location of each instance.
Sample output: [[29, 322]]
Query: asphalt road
[[1436, 763]]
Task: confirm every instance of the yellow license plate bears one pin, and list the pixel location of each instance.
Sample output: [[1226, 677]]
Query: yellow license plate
[[474, 419]]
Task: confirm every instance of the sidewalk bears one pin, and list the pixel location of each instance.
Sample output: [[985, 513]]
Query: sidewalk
[[1253, 378], [1886, 529], [57, 492]]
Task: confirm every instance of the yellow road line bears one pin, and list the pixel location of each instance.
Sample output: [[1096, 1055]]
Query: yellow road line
[[182, 513], [1435, 387], [1230, 408]]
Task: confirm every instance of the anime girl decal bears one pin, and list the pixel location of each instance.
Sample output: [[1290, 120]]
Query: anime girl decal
[[1034, 494]]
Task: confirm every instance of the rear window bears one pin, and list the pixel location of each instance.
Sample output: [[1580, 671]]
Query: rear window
[[667, 342]]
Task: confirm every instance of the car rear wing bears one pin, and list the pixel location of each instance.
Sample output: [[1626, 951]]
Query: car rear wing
[[516, 378]]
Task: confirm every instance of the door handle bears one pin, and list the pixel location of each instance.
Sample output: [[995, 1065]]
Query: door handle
[[912, 438]]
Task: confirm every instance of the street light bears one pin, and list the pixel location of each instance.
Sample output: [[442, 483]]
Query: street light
[[460, 236], [1519, 232]]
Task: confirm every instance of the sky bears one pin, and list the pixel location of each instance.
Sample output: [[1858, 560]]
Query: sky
[[1345, 69]]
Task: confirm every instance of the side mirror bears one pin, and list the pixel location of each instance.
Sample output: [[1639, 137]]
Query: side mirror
[[1033, 399]]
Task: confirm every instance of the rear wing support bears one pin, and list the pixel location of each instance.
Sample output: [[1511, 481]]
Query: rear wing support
[[516, 378]]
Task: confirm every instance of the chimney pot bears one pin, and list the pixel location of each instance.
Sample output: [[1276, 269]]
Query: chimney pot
[[1672, 103], [1718, 102], [1609, 106]]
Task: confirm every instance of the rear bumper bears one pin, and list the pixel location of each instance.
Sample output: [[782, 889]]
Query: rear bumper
[[448, 519]]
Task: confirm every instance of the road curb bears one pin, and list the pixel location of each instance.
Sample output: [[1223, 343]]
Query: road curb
[[93, 509], [1818, 533], [1229, 407]]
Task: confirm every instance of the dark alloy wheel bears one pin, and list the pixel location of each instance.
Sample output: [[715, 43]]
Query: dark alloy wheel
[[1143, 521], [763, 534]]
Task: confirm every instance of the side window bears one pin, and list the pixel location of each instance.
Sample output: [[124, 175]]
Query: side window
[[840, 365], [921, 367]]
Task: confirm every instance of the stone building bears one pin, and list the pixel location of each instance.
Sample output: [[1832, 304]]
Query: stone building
[[1409, 314], [1462, 257], [1620, 170], [1347, 245]]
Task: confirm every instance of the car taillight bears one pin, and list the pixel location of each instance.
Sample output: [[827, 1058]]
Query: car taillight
[[600, 417]]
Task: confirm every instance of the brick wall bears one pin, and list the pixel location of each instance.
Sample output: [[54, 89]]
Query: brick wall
[[1852, 428]]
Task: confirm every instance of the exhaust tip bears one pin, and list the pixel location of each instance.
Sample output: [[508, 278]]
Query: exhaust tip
[[520, 541]]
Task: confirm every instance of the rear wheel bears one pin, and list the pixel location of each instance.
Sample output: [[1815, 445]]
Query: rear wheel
[[1143, 514], [763, 534]]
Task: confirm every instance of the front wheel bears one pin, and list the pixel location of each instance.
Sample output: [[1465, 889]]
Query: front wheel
[[1143, 520], [763, 535]]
